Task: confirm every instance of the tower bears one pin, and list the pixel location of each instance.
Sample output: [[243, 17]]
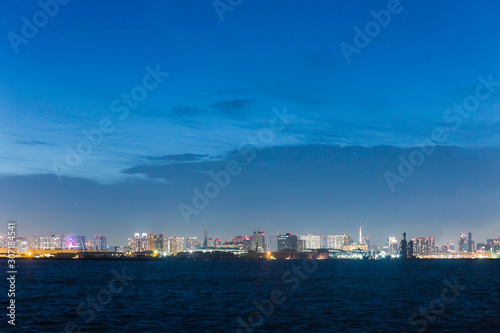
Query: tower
[[205, 238], [404, 247]]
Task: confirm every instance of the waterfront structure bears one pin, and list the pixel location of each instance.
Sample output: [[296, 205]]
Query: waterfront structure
[[354, 247]]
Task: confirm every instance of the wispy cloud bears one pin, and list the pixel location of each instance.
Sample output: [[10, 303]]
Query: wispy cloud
[[34, 143]]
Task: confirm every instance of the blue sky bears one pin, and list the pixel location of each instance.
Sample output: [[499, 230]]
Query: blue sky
[[225, 78]]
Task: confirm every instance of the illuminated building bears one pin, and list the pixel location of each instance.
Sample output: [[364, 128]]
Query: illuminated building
[[366, 240], [159, 243], [3, 242], [287, 242], [462, 241], [100, 243], [213, 242], [89, 245], [22, 244], [335, 241], [392, 245], [241, 240], [493, 245], [481, 247], [347, 239], [138, 243], [144, 242], [301, 245], [151, 242], [353, 247], [450, 246], [470, 243], [43, 242], [176, 245], [191, 243], [312, 242], [421, 246], [258, 241], [424, 246]]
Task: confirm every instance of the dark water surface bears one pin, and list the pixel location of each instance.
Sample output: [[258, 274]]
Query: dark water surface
[[274, 296]]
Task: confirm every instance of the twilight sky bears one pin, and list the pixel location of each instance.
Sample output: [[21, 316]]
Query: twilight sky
[[114, 114]]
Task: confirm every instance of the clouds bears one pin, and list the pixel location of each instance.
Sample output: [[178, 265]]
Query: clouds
[[300, 189], [34, 143], [233, 108]]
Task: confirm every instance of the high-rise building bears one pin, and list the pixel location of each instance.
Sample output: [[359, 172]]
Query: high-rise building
[[89, 245], [191, 243], [312, 242], [245, 241], [100, 243], [3, 242], [462, 241], [470, 243], [335, 241], [213, 242], [287, 242], [421, 246], [205, 238], [44, 242], [481, 247], [273, 243], [22, 244], [449, 247], [176, 245], [366, 240], [347, 240], [493, 244], [301, 245], [138, 243], [391, 245], [258, 241]]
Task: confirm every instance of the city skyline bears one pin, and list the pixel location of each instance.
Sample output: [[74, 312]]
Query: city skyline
[[465, 242], [297, 135]]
